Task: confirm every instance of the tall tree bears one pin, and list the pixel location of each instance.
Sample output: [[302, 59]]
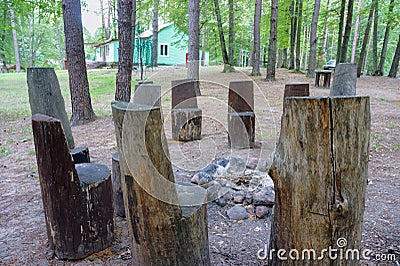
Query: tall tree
[[256, 37], [395, 62], [154, 53], [340, 32], [357, 24], [325, 36], [193, 44], [60, 46], [347, 30], [16, 47], [312, 61], [105, 24], [375, 37], [293, 28], [272, 41], [82, 111], [385, 40], [298, 38], [225, 56], [231, 38], [203, 45], [125, 51], [365, 41]]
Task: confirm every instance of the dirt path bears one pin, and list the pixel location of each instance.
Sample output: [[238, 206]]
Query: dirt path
[[23, 239]]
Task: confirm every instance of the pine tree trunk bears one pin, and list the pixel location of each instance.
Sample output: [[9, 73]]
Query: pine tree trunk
[[355, 38], [340, 33], [313, 40], [365, 41], [231, 36], [154, 53], [395, 62], [272, 41], [203, 45], [367, 55], [293, 25], [256, 49], [298, 38], [346, 37], [375, 38], [82, 111], [385, 41], [325, 36], [60, 47], [125, 51], [280, 58], [16, 47], [225, 57], [320, 189], [250, 62], [193, 44]]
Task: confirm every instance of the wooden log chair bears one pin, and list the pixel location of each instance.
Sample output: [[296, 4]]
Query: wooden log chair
[[146, 93], [345, 80], [186, 117], [320, 171], [77, 199], [241, 117], [167, 222], [297, 90]]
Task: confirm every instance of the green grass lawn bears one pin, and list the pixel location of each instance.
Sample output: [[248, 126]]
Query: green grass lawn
[[14, 99]]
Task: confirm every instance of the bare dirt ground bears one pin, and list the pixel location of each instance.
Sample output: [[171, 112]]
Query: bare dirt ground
[[23, 239]]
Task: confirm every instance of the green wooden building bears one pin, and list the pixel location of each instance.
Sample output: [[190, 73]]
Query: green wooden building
[[172, 48]]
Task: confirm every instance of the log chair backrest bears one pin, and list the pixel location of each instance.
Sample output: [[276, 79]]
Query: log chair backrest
[[184, 93], [241, 96]]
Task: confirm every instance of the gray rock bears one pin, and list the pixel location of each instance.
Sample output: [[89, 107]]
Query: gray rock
[[222, 162], [252, 163], [238, 197], [214, 170], [237, 212], [225, 195], [261, 211], [265, 196], [201, 178], [236, 166], [249, 198]]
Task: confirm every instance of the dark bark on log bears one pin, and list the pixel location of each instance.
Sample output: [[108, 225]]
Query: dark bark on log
[[80, 155], [297, 90], [395, 62], [320, 172], [77, 200], [45, 98], [162, 231], [186, 124], [241, 129]]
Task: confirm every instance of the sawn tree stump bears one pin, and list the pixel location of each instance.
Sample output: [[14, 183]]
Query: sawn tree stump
[[161, 230], [77, 200], [320, 169]]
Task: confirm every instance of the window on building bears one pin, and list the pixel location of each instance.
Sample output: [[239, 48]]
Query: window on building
[[164, 50], [107, 50]]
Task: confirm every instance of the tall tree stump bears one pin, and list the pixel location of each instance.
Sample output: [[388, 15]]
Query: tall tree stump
[[45, 98], [320, 169], [241, 117], [345, 80], [142, 82], [297, 90], [77, 200], [186, 117], [162, 231]]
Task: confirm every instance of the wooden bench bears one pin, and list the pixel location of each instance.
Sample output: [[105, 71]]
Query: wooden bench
[[326, 75], [77, 199]]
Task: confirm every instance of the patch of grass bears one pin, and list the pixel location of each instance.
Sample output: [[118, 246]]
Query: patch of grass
[[383, 100], [32, 152], [396, 146], [9, 141], [4, 151], [374, 136], [392, 127]]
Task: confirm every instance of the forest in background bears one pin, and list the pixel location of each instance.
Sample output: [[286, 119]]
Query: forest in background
[[36, 28]]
